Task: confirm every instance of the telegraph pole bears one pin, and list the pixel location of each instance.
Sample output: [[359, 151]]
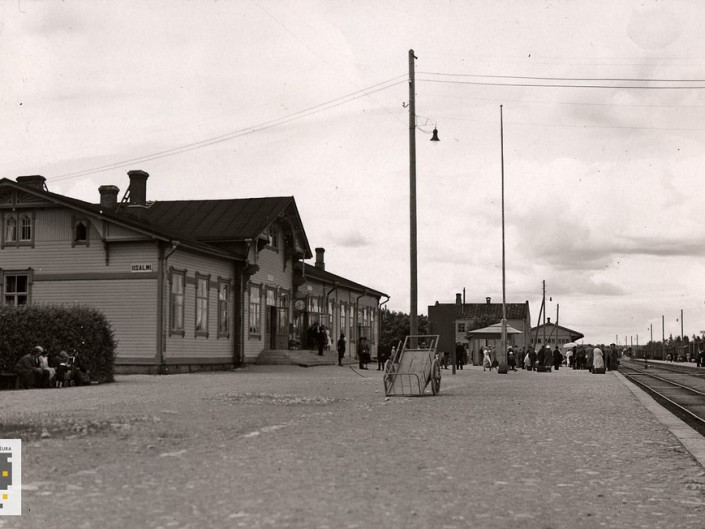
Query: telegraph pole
[[413, 312], [503, 352]]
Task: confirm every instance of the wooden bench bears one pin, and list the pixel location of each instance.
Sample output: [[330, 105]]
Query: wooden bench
[[9, 380]]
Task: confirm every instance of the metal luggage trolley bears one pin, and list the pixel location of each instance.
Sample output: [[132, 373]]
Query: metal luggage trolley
[[413, 367]]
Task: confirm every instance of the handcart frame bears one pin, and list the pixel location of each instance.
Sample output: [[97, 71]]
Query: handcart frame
[[413, 367]]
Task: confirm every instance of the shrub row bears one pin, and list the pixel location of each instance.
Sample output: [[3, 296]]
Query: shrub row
[[75, 329]]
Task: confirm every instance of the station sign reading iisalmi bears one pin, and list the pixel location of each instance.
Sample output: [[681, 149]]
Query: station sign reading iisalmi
[[141, 267]]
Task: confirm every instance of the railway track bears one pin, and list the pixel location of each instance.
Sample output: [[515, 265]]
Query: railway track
[[680, 389]]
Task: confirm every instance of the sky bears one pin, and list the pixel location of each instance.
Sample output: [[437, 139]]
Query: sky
[[601, 132]]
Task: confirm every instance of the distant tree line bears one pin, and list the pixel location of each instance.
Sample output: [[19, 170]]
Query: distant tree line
[[395, 327]]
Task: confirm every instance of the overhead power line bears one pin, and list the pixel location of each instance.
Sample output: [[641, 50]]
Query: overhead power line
[[442, 78], [557, 85], [581, 79], [342, 100]]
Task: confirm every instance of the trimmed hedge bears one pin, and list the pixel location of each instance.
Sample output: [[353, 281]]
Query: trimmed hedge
[[78, 328]]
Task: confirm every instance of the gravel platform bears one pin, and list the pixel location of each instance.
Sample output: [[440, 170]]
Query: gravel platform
[[292, 447]]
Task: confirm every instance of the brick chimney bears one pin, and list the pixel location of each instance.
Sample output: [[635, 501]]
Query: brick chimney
[[108, 196], [458, 299], [548, 321], [488, 299], [35, 180], [138, 187], [320, 263]]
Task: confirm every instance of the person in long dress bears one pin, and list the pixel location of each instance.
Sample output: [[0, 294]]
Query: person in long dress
[[486, 360], [598, 359]]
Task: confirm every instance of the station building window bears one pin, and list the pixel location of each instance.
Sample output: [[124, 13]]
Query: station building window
[[223, 308], [202, 295], [255, 311], [16, 288], [17, 229], [176, 298]]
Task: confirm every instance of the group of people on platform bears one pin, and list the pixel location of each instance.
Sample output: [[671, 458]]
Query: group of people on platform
[[39, 369], [578, 357], [319, 338]]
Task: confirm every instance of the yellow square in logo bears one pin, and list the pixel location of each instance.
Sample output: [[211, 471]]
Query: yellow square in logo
[[4, 496], [4, 473]]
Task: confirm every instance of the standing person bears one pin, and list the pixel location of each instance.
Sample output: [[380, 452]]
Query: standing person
[[311, 336], [459, 355], [589, 357], [533, 358], [582, 358], [548, 359], [614, 357], [511, 360], [341, 348], [486, 360], [363, 353], [541, 357], [321, 339], [598, 361], [29, 371], [557, 358], [381, 358]]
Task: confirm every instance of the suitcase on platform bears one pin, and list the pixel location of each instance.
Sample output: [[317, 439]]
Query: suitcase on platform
[[598, 371]]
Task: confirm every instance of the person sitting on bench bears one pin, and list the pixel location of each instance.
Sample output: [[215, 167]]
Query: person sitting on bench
[[29, 370]]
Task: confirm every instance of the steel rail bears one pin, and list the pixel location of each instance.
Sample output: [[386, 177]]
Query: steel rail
[[661, 395]]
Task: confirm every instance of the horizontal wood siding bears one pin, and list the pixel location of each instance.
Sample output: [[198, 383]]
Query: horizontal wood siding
[[129, 306], [191, 347]]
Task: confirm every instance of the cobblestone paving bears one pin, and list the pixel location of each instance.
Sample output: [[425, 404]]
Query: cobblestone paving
[[323, 448]]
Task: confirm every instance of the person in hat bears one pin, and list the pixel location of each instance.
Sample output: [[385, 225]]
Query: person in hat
[[557, 358], [511, 359], [29, 370], [341, 348]]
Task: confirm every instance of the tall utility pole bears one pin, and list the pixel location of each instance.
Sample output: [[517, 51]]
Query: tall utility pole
[[544, 312], [681, 326], [503, 353], [413, 311]]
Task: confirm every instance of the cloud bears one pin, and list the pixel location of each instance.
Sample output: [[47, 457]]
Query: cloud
[[659, 246], [351, 238]]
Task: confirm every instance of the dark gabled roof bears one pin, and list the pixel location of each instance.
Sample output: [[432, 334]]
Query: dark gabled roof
[[235, 219], [195, 222], [575, 335], [515, 311], [315, 273], [230, 220]]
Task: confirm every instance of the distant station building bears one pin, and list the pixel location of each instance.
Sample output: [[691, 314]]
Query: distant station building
[[456, 322], [552, 334]]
